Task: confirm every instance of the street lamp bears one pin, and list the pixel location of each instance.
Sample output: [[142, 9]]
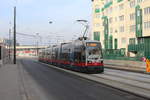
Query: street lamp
[[10, 40], [37, 34], [85, 25], [50, 22], [82, 20]]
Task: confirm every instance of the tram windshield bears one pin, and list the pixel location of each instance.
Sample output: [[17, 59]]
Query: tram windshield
[[94, 53]]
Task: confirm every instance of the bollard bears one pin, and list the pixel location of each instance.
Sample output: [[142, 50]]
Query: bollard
[[148, 65]]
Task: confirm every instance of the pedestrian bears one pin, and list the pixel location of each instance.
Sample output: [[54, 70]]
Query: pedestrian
[[148, 64]]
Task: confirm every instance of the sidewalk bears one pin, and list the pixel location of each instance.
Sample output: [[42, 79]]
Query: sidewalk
[[9, 82], [134, 66]]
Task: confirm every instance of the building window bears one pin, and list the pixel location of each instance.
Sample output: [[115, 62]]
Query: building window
[[97, 16], [106, 11], [141, 40], [138, 1], [121, 29], [147, 25], [121, 18], [97, 35], [111, 30], [121, 6], [116, 31], [116, 8], [97, 6], [115, 18], [147, 10], [110, 43], [132, 16], [132, 28], [97, 24], [116, 43], [110, 20], [110, 10], [132, 4], [132, 41], [97, 10], [107, 1], [123, 40]]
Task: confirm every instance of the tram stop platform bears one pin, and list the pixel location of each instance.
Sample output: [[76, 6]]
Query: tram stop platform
[[9, 82], [134, 66]]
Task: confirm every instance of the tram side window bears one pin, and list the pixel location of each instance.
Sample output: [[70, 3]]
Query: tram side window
[[61, 56], [56, 52], [77, 56], [0, 52], [64, 56], [83, 56]]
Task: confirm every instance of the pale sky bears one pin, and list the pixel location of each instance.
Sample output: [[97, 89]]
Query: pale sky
[[33, 17]]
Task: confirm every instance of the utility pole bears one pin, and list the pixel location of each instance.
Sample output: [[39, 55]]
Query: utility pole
[[9, 42], [37, 43], [15, 35], [37, 47]]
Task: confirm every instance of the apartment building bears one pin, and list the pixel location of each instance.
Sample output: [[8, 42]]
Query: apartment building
[[122, 24]]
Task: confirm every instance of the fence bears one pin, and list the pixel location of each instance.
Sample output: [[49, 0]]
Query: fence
[[118, 54]]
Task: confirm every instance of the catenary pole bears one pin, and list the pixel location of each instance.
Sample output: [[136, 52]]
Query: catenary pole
[[15, 35], [9, 42]]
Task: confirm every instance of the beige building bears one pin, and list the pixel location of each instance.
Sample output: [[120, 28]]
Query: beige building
[[122, 24]]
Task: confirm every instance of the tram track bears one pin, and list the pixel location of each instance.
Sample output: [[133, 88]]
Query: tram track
[[128, 84], [122, 72], [140, 82], [131, 77], [125, 81], [132, 82]]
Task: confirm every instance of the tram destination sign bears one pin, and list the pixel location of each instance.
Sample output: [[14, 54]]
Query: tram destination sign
[[92, 44]]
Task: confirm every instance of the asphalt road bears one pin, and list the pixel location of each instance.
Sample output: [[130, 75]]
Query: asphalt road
[[41, 82]]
